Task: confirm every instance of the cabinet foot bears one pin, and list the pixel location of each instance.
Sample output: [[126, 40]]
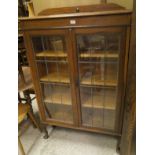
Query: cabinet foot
[[46, 136], [118, 146]]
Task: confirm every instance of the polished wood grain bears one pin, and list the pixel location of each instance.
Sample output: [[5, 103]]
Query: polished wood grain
[[81, 22], [74, 68], [84, 14], [116, 21], [129, 125]]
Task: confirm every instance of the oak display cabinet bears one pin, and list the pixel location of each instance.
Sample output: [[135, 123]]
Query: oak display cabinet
[[79, 65]]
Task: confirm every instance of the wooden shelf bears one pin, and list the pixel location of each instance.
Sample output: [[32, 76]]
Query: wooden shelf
[[99, 119], [100, 99], [99, 103], [83, 55], [99, 83], [52, 54], [53, 77], [63, 116], [99, 123], [97, 80], [60, 113], [98, 55], [59, 95], [57, 100]]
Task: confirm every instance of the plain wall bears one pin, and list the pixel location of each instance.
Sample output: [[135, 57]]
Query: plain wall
[[126, 3], [40, 5]]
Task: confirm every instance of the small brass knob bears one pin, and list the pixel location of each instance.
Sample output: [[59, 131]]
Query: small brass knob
[[77, 10]]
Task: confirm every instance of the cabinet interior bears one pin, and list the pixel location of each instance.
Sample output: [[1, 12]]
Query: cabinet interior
[[97, 66]]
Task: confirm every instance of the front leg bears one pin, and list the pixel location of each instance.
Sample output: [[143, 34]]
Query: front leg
[[118, 145], [45, 132]]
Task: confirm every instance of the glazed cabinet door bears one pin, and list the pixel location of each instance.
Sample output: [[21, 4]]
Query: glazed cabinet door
[[100, 63], [50, 59]]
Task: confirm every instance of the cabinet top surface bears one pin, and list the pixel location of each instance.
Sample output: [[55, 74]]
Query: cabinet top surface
[[105, 10]]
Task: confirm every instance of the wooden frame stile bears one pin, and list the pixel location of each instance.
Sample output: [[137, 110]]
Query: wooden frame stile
[[72, 37], [35, 80], [73, 77], [34, 75], [122, 85], [126, 34], [126, 48], [120, 82], [128, 138]]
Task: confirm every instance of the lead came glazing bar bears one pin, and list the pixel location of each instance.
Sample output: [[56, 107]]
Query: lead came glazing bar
[[97, 70]]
